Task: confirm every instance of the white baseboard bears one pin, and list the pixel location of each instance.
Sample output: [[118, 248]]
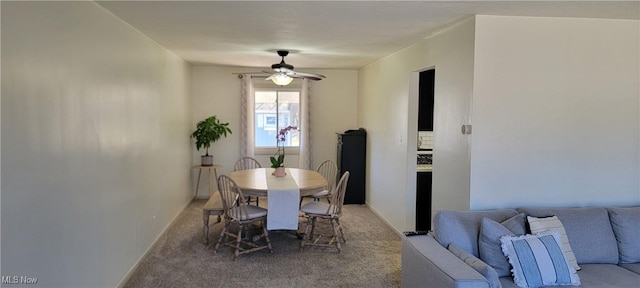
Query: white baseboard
[[146, 253], [384, 220]]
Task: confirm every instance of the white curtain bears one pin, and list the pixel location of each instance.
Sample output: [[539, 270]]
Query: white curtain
[[305, 123], [247, 117]]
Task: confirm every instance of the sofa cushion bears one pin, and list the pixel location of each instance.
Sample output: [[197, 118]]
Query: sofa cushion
[[588, 230], [607, 275], [489, 246], [538, 260], [462, 227], [487, 271], [633, 267], [626, 228], [596, 276], [542, 224]]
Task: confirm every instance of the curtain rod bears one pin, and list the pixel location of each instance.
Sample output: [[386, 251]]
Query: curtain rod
[[240, 75]]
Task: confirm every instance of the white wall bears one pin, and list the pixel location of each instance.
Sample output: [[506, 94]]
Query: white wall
[[216, 91], [95, 143], [555, 116], [388, 110], [555, 112]]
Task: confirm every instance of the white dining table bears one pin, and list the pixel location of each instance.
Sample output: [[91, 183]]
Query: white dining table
[[283, 193]]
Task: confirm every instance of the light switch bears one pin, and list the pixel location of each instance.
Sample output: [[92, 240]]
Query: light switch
[[466, 129]]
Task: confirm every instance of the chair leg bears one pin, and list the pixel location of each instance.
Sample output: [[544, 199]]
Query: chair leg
[[306, 235], [222, 235], [344, 239], [205, 231], [266, 234], [313, 228], [238, 240], [335, 235]]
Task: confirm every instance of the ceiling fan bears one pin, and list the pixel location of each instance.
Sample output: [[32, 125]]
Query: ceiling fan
[[285, 74]]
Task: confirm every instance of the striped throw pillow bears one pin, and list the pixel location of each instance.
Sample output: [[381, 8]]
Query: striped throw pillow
[[542, 224], [537, 260]]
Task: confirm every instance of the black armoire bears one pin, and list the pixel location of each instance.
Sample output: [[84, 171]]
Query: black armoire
[[352, 157]]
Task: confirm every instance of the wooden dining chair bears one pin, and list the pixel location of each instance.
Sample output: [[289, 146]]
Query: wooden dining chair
[[238, 211], [246, 163], [330, 211], [329, 170], [212, 207]]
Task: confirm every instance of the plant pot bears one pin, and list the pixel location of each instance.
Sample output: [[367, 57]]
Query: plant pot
[[279, 172], [207, 160]]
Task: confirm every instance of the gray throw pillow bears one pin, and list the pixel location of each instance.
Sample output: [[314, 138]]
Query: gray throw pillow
[[626, 226], [485, 270], [489, 245]]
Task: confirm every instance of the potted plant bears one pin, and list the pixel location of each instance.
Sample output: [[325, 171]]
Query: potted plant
[[277, 160], [208, 131]]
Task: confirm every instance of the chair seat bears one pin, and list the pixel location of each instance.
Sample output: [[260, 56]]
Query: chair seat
[[322, 193], [316, 208], [253, 212]]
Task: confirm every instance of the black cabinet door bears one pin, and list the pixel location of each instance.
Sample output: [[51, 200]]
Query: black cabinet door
[[352, 157], [425, 100], [423, 201]]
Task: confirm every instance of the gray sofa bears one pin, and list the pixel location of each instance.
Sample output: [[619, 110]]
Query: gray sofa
[[605, 242]]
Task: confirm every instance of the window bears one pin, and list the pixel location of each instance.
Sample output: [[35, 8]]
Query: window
[[275, 109]]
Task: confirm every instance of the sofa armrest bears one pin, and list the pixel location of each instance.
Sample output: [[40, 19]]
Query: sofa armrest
[[425, 263]]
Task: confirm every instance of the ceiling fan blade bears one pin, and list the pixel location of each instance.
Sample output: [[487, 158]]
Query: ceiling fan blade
[[311, 76], [306, 77]]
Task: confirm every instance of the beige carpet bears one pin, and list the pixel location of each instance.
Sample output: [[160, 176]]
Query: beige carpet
[[370, 258]]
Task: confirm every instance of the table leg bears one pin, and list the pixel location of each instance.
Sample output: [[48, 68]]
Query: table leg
[[215, 173], [198, 184], [209, 181]]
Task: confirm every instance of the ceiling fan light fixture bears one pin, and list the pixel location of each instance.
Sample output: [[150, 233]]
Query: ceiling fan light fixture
[[281, 79], [285, 74]]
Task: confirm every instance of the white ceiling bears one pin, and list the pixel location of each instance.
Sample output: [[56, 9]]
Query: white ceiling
[[322, 34]]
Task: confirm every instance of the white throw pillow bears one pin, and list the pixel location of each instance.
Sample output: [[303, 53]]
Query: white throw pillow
[[538, 225], [537, 260]]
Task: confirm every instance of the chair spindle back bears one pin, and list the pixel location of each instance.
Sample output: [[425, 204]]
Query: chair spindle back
[[246, 163], [233, 201], [338, 196], [329, 170]]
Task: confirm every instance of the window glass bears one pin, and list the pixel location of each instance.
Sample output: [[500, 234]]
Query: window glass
[[274, 110]]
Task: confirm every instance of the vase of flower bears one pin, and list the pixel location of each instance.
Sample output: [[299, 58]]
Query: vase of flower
[[277, 160], [279, 172]]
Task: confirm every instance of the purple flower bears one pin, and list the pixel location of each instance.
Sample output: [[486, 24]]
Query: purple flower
[[282, 135]]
